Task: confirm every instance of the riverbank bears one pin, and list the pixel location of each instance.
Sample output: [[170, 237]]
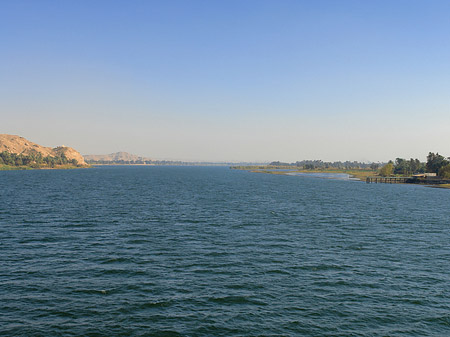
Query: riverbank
[[356, 174], [447, 186], [25, 167], [360, 175]]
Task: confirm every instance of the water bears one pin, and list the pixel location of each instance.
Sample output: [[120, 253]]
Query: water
[[198, 251], [324, 175]]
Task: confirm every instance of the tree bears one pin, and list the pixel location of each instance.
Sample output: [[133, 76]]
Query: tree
[[26, 160], [7, 158], [402, 166], [416, 166], [387, 170], [444, 172], [38, 158], [435, 162]]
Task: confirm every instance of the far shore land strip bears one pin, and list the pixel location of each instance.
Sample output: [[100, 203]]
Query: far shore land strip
[[18, 153], [385, 174]]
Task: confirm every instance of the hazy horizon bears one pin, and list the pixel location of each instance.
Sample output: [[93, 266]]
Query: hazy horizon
[[234, 81]]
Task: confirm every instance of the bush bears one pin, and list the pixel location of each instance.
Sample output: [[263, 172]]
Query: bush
[[387, 170]]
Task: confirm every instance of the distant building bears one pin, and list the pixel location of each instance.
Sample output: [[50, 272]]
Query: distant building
[[424, 175]]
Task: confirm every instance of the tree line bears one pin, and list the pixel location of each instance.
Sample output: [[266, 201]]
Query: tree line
[[35, 160], [319, 164], [435, 163]]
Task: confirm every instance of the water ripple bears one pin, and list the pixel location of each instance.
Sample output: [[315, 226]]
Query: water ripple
[[191, 251]]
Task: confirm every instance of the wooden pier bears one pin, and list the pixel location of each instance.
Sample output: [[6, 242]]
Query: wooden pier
[[387, 180], [408, 180]]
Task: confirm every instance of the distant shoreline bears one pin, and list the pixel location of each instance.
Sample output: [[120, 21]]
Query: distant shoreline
[[186, 164], [353, 174], [356, 174], [27, 168]]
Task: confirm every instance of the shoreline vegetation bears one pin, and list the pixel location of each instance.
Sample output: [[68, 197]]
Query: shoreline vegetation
[[13, 161], [56, 167], [435, 172]]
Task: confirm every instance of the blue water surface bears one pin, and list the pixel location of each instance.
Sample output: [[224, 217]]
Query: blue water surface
[[209, 251]]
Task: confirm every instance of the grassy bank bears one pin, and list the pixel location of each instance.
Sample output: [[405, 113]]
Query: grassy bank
[[442, 186], [14, 168]]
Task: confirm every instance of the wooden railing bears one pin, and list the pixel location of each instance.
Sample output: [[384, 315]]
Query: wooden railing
[[387, 180]]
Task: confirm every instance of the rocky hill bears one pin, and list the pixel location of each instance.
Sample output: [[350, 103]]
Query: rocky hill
[[20, 145]]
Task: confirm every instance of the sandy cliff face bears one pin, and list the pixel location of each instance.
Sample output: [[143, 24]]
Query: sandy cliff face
[[20, 145], [70, 154]]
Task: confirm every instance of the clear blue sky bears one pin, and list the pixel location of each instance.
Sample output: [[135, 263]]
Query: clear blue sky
[[229, 80]]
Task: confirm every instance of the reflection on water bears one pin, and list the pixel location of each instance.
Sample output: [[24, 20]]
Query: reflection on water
[[339, 176]]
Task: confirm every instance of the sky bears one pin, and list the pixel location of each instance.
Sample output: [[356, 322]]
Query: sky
[[247, 80]]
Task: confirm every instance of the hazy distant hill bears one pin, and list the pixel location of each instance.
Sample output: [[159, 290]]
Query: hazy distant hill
[[20, 145], [115, 157], [127, 158]]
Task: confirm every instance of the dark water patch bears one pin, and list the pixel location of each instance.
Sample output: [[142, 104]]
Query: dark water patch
[[443, 320], [277, 271], [117, 260], [217, 254], [155, 304], [248, 286], [165, 333], [121, 271]]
